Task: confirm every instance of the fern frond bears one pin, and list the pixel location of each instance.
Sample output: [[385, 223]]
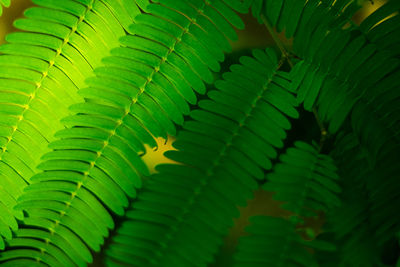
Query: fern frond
[[385, 196], [318, 38], [375, 117], [350, 227], [365, 228], [226, 146], [274, 242], [303, 19], [335, 81], [139, 91], [341, 59], [343, 66], [305, 180], [41, 69]]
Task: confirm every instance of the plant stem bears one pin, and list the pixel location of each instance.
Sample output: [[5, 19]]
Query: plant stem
[[286, 56], [322, 129], [277, 41]]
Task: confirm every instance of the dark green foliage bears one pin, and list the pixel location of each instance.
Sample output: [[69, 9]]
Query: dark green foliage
[[87, 84], [351, 225], [274, 242], [224, 149], [42, 68], [305, 180]]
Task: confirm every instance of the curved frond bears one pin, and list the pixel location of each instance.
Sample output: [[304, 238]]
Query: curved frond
[[304, 19], [140, 90], [4, 3], [342, 61], [305, 180], [41, 69], [365, 228], [183, 212], [383, 188], [274, 242], [336, 80], [351, 226], [375, 117]]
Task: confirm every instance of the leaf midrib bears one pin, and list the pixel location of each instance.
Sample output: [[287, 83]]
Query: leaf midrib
[[210, 172], [39, 83], [120, 122]]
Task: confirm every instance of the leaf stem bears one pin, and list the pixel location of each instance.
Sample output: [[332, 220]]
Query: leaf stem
[[324, 132], [277, 41], [286, 56]]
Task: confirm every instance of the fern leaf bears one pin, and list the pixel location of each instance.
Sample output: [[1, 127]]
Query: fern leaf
[[365, 229], [5, 3], [347, 76], [274, 242], [345, 65], [227, 145], [350, 227], [341, 59], [95, 161], [41, 69], [302, 19], [305, 180], [375, 117]]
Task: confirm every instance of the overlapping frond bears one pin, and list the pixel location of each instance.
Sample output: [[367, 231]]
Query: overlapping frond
[[275, 242], [351, 227], [305, 180], [41, 69], [383, 27], [375, 117], [365, 228], [183, 211], [381, 182], [92, 168], [303, 19], [342, 60], [342, 68], [362, 82], [319, 38], [4, 3], [144, 86]]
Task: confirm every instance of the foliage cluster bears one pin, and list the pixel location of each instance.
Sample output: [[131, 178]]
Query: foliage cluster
[[85, 85]]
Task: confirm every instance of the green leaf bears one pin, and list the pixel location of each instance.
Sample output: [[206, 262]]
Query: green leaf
[[41, 69], [274, 241], [226, 146], [304, 176]]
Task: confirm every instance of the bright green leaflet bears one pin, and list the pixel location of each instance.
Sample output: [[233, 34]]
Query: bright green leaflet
[[42, 68], [139, 91], [348, 75]]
